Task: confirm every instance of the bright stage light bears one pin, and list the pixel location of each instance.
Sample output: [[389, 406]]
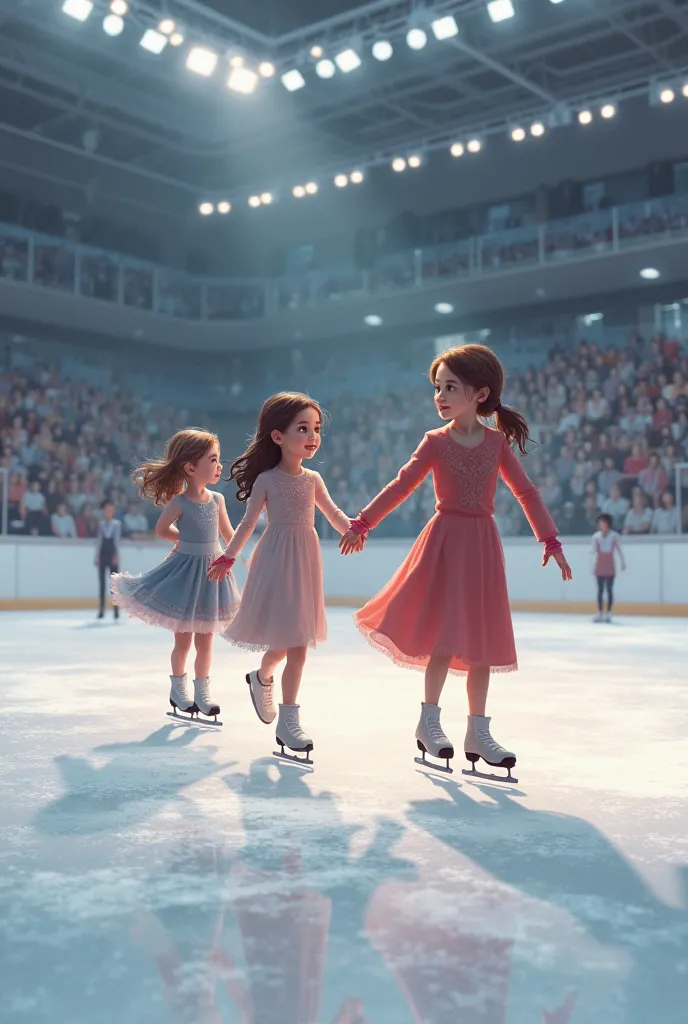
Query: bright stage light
[[414, 162], [500, 10], [608, 111], [311, 188], [445, 28], [684, 90], [113, 25], [445, 308], [224, 207], [166, 27], [237, 61], [201, 61], [347, 60], [119, 7], [153, 41], [266, 68], [382, 50], [474, 146], [293, 80], [205, 209], [518, 134], [457, 149], [176, 39], [356, 177], [242, 80], [254, 202], [650, 274], [341, 180], [316, 52], [667, 95], [416, 38], [585, 117], [399, 164], [537, 129], [267, 198], [325, 68], [298, 191], [77, 9], [373, 320]]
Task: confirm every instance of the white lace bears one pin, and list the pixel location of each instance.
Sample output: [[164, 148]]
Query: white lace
[[435, 731], [484, 735], [291, 720], [204, 690], [267, 690]]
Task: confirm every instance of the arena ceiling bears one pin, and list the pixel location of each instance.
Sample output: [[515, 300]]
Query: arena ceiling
[[74, 101]]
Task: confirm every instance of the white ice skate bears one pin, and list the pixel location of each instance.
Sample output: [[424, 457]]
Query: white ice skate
[[479, 743], [261, 695], [431, 739], [599, 617], [204, 702], [608, 617], [290, 734], [181, 698]]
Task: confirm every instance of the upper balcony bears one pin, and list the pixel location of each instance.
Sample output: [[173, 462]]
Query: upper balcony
[[55, 282]]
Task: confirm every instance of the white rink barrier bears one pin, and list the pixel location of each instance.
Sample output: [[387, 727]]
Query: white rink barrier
[[48, 573]]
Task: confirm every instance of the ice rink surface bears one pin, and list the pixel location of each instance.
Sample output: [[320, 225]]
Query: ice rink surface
[[159, 873]]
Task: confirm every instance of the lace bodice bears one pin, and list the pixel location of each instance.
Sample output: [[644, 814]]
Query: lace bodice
[[289, 501], [465, 480], [199, 522]]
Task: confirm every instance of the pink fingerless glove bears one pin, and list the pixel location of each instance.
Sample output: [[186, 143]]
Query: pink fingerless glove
[[553, 546], [360, 526]]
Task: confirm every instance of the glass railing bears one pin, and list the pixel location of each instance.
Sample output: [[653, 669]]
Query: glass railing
[[42, 261]]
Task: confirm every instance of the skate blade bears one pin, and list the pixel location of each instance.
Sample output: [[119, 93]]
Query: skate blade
[[304, 762], [181, 716], [436, 767], [473, 774]]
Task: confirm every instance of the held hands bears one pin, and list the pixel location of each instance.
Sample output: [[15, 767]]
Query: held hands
[[220, 568], [351, 542], [560, 559]]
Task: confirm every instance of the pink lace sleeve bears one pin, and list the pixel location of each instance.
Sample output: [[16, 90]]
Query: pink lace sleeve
[[334, 515], [254, 507], [527, 495], [408, 478]]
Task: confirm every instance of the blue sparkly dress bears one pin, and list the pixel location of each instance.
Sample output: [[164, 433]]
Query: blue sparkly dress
[[177, 594]]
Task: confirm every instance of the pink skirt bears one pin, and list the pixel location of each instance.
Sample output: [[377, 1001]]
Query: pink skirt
[[449, 597]]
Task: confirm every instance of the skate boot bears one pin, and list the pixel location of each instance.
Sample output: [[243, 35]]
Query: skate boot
[[608, 617], [290, 734], [181, 697], [599, 617], [431, 739], [204, 702], [479, 743], [261, 695]]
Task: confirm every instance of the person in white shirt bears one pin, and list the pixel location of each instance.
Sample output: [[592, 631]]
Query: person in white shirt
[[665, 518], [606, 547], [616, 506], [62, 522], [639, 517]]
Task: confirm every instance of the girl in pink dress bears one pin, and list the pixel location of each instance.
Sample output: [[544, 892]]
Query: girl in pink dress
[[447, 607], [282, 609]]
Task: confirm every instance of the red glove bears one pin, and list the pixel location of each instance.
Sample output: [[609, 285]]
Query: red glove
[[553, 546], [360, 526]]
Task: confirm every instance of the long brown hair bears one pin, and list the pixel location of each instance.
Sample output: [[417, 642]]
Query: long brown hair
[[278, 413], [162, 479], [478, 367]]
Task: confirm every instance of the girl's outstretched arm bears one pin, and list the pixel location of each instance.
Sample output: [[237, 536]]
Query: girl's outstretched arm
[[226, 528], [254, 506], [334, 515]]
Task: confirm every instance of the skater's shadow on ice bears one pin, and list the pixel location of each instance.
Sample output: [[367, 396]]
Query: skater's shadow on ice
[[570, 864], [487, 787], [139, 778]]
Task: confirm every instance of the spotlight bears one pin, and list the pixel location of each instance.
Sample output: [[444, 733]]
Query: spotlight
[[399, 164], [474, 146], [585, 117], [237, 61], [347, 60], [500, 10], [667, 96], [356, 177], [650, 274], [341, 180], [457, 149], [119, 7], [153, 41], [254, 202], [176, 39], [311, 188], [201, 61], [205, 209], [77, 9], [444, 308], [316, 52], [382, 50], [416, 38], [267, 198], [608, 111], [445, 28], [537, 129], [166, 27], [266, 69], [298, 191], [518, 134], [224, 207], [414, 161], [684, 90], [293, 80], [242, 80], [325, 68], [113, 25], [373, 320]]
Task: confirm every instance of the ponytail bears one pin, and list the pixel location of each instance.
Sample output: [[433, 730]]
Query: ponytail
[[513, 425]]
